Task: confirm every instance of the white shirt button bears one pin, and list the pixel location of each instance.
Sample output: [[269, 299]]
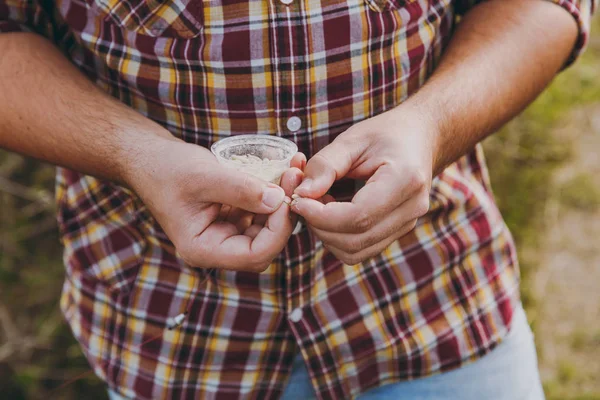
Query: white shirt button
[[294, 123], [296, 315], [297, 228], [286, 2]]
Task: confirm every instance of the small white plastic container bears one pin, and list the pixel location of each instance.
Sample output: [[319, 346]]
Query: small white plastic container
[[266, 157]]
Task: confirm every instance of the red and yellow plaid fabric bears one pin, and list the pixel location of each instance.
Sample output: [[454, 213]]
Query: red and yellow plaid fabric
[[437, 298]]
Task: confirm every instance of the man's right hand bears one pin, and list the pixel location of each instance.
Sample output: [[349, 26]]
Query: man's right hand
[[185, 188]]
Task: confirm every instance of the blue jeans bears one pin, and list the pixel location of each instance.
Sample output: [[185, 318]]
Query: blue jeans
[[509, 372]]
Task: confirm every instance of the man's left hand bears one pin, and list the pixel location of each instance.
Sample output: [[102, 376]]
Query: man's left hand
[[394, 153]]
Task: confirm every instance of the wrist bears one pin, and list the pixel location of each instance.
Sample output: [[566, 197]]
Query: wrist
[[140, 156], [420, 119]]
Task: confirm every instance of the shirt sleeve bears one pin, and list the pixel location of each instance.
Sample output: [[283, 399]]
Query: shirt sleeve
[[581, 10], [25, 16]]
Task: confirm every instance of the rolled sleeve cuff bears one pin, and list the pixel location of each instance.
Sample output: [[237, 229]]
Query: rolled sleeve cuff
[[582, 11]]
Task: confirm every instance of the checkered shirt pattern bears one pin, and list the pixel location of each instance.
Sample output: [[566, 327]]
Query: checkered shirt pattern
[[437, 298]]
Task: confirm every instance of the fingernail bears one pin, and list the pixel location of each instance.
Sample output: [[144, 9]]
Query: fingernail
[[305, 185], [273, 196]]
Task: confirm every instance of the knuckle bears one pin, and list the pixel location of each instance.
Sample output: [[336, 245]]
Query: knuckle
[[259, 267], [323, 164], [259, 262], [320, 158], [363, 222], [412, 225], [351, 260], [407, 228], [355, 244], [422, 206], [417, 181], [344, 257]]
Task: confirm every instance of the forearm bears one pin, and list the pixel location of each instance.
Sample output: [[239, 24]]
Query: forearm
[[51, 111], [502, 55]]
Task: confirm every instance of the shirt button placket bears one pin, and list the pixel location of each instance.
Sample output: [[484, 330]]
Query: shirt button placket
[[296, 315], [294, 124], [290, 99]]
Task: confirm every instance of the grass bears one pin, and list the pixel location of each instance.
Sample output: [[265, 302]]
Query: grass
[[566, 372], [579, 340], [580, 192]]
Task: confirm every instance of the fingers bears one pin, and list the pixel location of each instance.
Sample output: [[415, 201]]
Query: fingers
[[371, 251], [356, 242], [260, 220], [355, 247], [244, 219], [382, 194], [325, 167], [327, 199], [253, 230], [290, 180], [275, 234], [229, 186], [224, 212], [333, 216], [298, 161], [240, 218], [221, 246]]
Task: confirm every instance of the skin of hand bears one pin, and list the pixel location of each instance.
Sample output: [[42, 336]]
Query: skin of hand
[[393, 153], [501, 56], [185, 188]]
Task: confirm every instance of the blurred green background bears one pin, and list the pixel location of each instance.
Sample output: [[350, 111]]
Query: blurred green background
[[545, 168]]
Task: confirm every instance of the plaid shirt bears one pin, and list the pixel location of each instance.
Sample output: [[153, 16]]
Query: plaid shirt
[[437, 298]]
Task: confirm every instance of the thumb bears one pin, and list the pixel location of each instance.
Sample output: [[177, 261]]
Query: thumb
[[242, 190], [330, 164]]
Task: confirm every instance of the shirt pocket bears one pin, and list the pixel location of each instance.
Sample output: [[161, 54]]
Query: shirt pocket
[[155, 18]]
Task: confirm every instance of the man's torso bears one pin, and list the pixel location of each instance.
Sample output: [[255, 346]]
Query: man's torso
[[436, 298]]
